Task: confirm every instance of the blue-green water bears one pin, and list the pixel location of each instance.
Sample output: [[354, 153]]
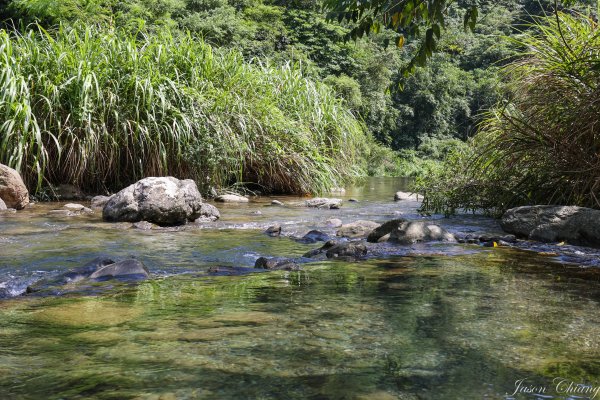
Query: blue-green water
[[423, 326]]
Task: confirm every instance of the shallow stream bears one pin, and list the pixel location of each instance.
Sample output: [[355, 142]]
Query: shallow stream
[[421, 322]]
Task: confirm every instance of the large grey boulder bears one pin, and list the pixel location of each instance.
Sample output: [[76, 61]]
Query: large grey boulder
[[12, 189], [163, 201], [574, 225], [410, 232], [357, 229], [323, 202]]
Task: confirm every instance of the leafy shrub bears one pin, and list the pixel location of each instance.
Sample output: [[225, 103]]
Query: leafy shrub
[[542, 145]]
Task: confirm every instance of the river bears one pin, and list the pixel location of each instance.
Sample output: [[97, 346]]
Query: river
[[419, 322]]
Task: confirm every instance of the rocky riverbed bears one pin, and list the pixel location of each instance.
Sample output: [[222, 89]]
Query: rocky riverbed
[[275, 297]]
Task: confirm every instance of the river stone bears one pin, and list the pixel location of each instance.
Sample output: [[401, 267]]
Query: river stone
[[79, 273], [231, 198], [334, 223], [276, 203], [357, 229], [314, 236], [208, 212], [323, 202], [399, 196], [144, 226], [383, 231], [12, 189], [274, 230], [574, 225], [76, 207], [100, 201], [338, 249], [410, 232], [163, 201], [276, 263], [62, 213], [224, 270], [126, 269], [71, 276], [347, 250]]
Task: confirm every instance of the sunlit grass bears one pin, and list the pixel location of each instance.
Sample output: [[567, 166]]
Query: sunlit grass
[[101, 109]]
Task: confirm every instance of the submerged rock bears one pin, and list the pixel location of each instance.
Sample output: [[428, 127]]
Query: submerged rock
[[71, 276], [323, 202], [314, 236], [274, 230], [337, 249], [229, 271], [574, 225], [99, 269], [62, 213], [86, 270], [276, 263], [12, 189], [127, 269], [231, 198], [383, 231], [357, 229], [163, 201], [77, 208], [399, 196], [144, 226], [410, 232]]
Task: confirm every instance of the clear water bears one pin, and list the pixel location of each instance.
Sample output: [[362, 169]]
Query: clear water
[[460, 322]]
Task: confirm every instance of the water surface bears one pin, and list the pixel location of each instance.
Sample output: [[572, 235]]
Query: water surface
[[460, 322]]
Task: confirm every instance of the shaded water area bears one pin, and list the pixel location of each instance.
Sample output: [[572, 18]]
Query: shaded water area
[[421, 322]]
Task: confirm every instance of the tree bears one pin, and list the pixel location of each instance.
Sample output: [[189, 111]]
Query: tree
[[405, 17], [410, 17]]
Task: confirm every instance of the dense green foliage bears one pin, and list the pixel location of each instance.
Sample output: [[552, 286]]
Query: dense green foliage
[[542, 145], [440, 101], [415, 116], [100, 109]]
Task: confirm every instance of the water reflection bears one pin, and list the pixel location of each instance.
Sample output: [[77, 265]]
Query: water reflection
[[414, 327], [462, 324]]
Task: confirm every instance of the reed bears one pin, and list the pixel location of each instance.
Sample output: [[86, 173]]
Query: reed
[[103, 108]]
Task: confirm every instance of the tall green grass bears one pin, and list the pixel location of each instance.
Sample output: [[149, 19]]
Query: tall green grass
[[101, 109], [542, 145]]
